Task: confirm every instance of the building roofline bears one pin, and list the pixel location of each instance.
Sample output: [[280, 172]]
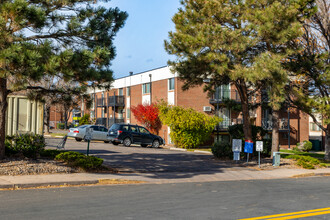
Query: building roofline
[[141, 72]]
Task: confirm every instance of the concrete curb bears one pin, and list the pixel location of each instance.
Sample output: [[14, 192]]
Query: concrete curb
[[310, 175], [178, 149], [48, 184], [202, 151]]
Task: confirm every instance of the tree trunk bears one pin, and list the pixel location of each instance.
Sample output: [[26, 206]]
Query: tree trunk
[[243, 93], [47, 119], [65, 119], [327, 143], [3, 109], [246, 121], [275, 132]]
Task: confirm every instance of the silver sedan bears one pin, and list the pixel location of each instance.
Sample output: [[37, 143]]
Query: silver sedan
[[99, 133]]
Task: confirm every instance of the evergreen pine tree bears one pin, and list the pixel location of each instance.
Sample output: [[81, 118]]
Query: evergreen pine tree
[[71, 39], [242, 41]]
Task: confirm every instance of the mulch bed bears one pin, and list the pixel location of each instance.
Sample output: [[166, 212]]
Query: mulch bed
[[15, 166]]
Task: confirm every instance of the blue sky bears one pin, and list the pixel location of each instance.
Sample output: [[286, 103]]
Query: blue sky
[[140, 43]]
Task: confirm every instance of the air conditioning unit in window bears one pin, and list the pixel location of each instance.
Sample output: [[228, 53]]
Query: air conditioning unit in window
[[207, 108]]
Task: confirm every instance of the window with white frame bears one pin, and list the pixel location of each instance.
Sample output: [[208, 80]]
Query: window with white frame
[[121, 91], [171, 84], [146, 88]]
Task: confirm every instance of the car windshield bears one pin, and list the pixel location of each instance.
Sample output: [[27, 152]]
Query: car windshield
[[83, 126]]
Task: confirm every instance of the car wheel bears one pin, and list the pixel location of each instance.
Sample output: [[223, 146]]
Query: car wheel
[[127, 142], [144, 145], [85, 139], [155, 144], [106, 142], [78, 139], [115, 143]]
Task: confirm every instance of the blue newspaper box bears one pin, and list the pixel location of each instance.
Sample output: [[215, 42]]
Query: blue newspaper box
[[248, 147]]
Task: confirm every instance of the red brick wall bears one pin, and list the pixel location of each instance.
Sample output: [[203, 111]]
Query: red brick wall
[[194, 98]]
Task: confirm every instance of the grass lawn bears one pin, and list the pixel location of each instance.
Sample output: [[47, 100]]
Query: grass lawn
[[318, 155]]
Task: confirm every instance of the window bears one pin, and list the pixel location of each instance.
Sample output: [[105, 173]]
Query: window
[[171, 84], [128, 91], [134, 129], [314, 127], [121, 91], [125, 128], [22, 115], [95, 128], [146, 88], [101, 128], [128, 113], [143, 130]]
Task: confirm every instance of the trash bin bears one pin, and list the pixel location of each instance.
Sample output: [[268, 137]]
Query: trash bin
[[276, 158]]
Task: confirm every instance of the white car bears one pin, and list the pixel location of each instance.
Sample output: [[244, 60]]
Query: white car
[[99, 133]]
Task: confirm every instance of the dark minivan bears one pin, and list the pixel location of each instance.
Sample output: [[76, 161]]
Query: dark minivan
[[128, 134]]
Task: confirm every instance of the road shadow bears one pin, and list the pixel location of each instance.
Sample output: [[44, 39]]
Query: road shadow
[[160, 163], [169, 166]]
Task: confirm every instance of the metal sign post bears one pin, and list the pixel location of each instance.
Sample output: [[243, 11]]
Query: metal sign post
[[248, 148], [237, 148], [259, 148], [88, 137]]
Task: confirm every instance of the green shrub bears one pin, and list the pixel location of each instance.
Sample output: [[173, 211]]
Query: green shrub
[[84, 119], [307, 146], [28, 145], [189, 128], [50, 153], [60, 125], [80, 160], [222, 150], [306, 162]]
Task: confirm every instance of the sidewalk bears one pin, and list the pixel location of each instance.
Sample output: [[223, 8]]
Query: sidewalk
[[227, 174]]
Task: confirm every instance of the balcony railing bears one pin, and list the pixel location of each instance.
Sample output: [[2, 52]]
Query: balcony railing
[[229, 122], [116, 100], [100, 102], [224, 95], [112, 101], [267, 124]]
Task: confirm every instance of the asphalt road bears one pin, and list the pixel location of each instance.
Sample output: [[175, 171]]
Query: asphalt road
[[212, 200], [139, 159]]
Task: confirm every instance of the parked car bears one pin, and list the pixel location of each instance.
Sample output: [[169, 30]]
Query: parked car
[[99, 133], [128, 134]]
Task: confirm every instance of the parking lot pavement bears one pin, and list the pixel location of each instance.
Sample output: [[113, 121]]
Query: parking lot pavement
[[146, 160]]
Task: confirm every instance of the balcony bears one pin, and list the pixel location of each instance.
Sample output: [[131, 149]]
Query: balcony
[[267, 124], [112, 101], [224, 125], [224, 95], [101, 102], [116, 100]]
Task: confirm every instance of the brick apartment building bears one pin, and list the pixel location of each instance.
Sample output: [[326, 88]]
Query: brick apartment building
[[154, 85]]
